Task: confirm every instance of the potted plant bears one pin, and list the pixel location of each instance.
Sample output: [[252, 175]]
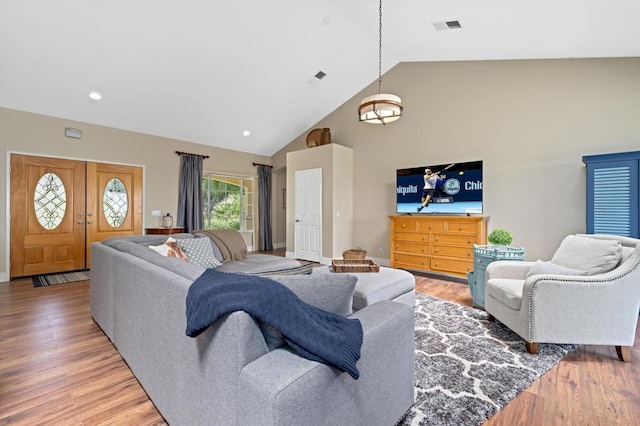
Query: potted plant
[[500, 237]]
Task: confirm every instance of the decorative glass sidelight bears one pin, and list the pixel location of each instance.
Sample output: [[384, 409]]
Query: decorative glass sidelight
[[115, 202], [50, 201]]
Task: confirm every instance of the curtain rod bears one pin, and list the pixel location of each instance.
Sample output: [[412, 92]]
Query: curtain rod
[[188, 153], [258, 164]]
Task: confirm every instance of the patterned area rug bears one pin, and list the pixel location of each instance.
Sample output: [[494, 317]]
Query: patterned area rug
[[468, 368], [52, 279]]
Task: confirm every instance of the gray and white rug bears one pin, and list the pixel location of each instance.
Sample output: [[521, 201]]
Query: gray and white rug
[[468, 368]]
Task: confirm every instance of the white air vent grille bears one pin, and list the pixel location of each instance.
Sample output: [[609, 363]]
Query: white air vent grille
[[447, 25]]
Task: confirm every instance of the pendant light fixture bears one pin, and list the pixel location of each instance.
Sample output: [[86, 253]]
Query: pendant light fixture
[[382, 108]]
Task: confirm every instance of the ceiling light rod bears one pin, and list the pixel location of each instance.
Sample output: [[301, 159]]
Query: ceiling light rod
[[382, 108]]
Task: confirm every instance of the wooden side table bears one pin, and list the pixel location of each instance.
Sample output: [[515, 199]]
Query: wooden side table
[[164, 231]]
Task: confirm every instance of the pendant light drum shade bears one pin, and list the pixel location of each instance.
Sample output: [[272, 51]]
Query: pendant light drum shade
[[382, 108]]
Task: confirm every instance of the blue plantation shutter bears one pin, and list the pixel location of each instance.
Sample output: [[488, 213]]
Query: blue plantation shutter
[[612, 201]]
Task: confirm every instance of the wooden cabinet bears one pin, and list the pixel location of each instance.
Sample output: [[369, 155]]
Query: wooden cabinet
[[164, 231], [442, 244]]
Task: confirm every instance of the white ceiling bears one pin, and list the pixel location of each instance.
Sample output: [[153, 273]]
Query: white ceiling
[[204, 71]]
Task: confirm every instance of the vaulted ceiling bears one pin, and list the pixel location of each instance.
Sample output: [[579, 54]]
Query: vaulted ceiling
[[205, 71]]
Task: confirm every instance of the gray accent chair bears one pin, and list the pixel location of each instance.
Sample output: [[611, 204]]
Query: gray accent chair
[[570, 299]]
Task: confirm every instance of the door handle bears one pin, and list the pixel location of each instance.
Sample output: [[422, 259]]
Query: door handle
[[81, 222], [297, 220], [89, 222]]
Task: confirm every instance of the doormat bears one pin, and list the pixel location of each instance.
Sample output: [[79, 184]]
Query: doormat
[[53, 279]]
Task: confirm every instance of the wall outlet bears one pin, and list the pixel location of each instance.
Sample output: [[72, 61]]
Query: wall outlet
[[156, 213]]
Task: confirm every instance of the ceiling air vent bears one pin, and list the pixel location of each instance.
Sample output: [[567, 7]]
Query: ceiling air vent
[[447, 25], [320, 75]]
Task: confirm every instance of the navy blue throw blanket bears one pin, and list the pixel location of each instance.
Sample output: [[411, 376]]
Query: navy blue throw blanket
[[313, 333]]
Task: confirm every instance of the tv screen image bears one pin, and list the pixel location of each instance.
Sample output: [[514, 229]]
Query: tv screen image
[[454, 188]]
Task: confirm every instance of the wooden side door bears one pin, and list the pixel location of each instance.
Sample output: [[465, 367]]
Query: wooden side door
[[114, 202], [47, 215]]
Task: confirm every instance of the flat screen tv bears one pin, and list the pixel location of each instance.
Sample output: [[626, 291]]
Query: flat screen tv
[[454, 188]]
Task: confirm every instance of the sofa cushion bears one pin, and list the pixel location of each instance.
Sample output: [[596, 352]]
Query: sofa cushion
[[322, 291], [216, 250], [199, 251], [262, 264], [506, 291], [170, 248], [593, 255], [542, 267], [332, 293]]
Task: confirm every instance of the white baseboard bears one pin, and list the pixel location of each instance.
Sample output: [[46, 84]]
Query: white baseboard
[[4, 277], [279, 245]]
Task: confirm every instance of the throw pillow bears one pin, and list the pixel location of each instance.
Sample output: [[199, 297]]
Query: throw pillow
[[169, 249], [541, 267], [199, 251], [593, 255]]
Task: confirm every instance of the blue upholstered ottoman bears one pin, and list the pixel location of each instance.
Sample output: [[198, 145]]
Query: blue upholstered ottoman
[[372, 287]]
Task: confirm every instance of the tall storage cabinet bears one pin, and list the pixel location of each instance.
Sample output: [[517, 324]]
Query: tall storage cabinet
[[613, 194], [442, 244]]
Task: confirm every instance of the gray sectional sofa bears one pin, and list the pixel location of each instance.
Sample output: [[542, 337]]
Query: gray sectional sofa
[[229, 375]]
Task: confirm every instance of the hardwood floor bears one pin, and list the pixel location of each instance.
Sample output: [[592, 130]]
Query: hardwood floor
[[58, 368]]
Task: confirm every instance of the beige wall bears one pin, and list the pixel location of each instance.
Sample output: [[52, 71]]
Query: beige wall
[[336, 163], [27, 133], [530, 121]]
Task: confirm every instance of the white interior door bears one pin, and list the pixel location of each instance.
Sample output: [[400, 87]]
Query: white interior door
[[308, 215]]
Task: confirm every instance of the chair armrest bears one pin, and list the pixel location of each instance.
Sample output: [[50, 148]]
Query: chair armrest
[[507, 269], [596, 309]]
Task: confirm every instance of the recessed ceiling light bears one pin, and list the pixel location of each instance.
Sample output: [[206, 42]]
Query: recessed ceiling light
[[95, 96], [246, 133]]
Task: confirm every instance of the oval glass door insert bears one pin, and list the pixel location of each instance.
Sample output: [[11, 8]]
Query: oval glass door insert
[[115, 202], [50, 201]]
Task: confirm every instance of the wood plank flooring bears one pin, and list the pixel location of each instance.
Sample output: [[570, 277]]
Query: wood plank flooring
[[58, 368]]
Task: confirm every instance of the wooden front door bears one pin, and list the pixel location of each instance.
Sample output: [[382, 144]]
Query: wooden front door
[[59, 207], [47, 215], [114, 202]]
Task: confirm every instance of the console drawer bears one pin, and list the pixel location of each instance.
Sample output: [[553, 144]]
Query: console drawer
[[461, 240], [411, 237], [410, 261], [450, 265], [461, 252], [469, 227], [411, 248]]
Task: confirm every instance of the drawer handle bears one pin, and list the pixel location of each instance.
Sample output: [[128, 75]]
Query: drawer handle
[[436, 263], [423, 263], [437, 239], [437, 250], [403, 225], [469, 241], [460, 229], [423, 238], [423, 249], [397, 246], [468, 253]]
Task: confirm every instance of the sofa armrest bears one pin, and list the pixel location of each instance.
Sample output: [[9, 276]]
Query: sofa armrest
[[507, 269], [282, 388]]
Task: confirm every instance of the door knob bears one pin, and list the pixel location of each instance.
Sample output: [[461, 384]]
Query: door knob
[[89, 222], [297, 220], [81, 222]]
